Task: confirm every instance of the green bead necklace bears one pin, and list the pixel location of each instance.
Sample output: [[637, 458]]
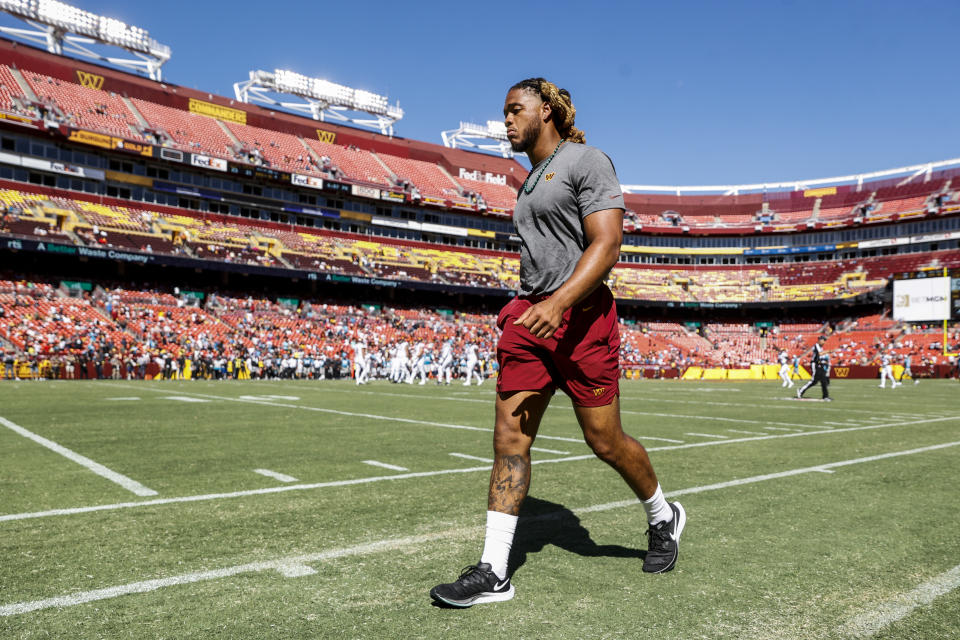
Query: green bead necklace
[[542, 169]]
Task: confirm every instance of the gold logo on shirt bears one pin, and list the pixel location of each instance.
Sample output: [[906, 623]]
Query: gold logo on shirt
[[549, 176], [599, 391]]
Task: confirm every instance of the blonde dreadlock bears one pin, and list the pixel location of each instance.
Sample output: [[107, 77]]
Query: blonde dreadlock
[[561, 107]]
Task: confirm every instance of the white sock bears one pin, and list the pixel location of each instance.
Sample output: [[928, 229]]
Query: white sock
[[657, 508], [499, 539]]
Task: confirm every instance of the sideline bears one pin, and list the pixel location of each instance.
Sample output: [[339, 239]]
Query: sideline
[[299, 565]]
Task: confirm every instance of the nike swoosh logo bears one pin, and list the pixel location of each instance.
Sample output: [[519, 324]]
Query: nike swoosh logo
[[501, 585], [587, 308]]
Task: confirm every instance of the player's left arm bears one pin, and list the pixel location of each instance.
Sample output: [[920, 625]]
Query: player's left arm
[[603, 231]]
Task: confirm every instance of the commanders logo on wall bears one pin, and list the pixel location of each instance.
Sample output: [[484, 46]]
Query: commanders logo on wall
[[841, 372], [329, 137], [90, 80]]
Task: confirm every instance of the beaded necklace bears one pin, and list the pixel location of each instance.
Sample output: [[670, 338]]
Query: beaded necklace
[[542, 169]]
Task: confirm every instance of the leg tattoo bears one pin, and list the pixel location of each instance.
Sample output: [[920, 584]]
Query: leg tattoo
[[509, 483]]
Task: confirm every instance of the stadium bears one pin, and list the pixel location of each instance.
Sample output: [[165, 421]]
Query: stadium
[[184, 277]]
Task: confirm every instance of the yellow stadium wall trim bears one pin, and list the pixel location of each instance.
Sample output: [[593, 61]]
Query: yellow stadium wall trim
[[129, 178], [756, 372], [682, 250], [481, 234], [353, 215], [819, 193]]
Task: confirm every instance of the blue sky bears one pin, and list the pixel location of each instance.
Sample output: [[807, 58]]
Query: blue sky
[[675, 92]]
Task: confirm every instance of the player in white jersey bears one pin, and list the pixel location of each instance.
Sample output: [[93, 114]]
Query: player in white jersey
[[473, 364], [399, 369], [417, 362], [785, 369], [394, 354], [445, 363], [361, 369], [886, 371]]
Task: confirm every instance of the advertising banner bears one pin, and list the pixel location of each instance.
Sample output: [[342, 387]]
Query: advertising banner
[[12, 117], [921, 300], [206, 162], [139, 148], [365, 192], [104, 141], [392, 195], [217, 111], [89, 137], [306, 181]]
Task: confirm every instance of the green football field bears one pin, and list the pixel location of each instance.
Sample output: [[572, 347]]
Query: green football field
[[305, 509]]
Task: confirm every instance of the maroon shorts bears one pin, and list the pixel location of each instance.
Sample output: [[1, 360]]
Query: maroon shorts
[[582, 357]]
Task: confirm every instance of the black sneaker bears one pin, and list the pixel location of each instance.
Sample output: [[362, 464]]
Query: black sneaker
[[664, 540], [476, 584]]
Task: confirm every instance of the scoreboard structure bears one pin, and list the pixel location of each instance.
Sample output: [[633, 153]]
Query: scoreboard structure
[[928, 295]]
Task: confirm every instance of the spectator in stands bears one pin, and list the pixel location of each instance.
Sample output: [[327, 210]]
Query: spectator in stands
[[564, 320]]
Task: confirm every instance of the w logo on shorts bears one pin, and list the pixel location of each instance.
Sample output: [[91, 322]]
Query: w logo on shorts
[[599, 391]]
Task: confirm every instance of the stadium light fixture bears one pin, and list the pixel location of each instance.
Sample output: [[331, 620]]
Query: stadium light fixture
[[472, 136], [320, 99], [53, 22]]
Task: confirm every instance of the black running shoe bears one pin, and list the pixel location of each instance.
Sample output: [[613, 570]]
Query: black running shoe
[[664, 544], [476, 584]]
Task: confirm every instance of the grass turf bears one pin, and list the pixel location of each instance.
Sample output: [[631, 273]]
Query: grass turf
[[766, 555]]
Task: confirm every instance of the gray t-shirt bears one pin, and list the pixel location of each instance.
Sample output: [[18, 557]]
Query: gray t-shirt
[[580, 180]]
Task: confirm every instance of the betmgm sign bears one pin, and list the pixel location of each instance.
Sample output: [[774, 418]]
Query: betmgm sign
[[922, 299]]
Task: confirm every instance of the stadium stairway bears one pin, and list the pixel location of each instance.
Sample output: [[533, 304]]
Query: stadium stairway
[[136, 113], [23, 84], [387, 170]]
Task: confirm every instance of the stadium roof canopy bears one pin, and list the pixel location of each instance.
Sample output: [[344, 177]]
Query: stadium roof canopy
[[467, 134], [910, 174], [53, 22], [320, 99]]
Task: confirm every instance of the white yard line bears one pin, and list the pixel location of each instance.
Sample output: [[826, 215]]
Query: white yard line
[[270, 403], [425, 474], [466, 456], [559, 453], [749, 433], [713, 418], [299, 565], [706, 435], [282, 477], [384, 465], [127, 483], [872, 622], [786, 405]]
